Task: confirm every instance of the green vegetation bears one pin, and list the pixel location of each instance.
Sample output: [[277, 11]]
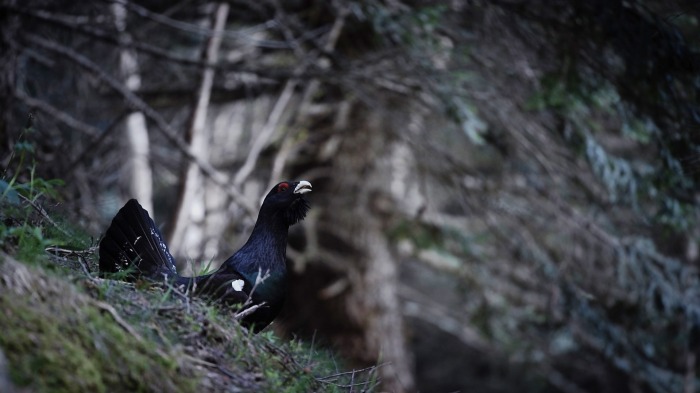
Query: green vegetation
[[20, 186]]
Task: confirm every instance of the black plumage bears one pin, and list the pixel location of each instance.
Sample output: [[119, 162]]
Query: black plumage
[[134, 245]]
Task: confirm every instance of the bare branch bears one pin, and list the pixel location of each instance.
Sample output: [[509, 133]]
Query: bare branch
[[57, 114], [309, 93], [243, 34], [265, 134], [137, 103]]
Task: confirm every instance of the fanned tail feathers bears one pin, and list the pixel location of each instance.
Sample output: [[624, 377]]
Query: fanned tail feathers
[[134, 244]]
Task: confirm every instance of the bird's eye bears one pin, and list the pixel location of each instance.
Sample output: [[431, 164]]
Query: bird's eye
[[282, 187]]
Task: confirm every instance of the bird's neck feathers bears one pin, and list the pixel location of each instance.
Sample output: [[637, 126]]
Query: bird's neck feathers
[[266, 247]]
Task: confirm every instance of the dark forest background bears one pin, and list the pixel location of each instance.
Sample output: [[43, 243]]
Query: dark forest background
[[505, 192]]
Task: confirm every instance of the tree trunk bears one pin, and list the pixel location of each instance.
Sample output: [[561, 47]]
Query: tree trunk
[[138, 170], [186, 237], [385, 328], [374, 301]]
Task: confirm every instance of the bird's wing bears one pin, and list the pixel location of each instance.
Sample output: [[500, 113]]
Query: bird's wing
[[231, 288]]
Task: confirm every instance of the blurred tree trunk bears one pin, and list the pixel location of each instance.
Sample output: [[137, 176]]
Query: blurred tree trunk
[[374, 302], [138, 170], [385, 324], [187, 233]]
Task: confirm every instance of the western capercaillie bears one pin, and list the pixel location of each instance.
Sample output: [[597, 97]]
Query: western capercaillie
[[134, 245]]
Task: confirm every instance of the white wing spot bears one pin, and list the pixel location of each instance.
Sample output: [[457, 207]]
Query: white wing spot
[[237, 285]]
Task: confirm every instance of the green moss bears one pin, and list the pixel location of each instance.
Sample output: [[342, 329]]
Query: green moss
[[41, 350], [58, 340]]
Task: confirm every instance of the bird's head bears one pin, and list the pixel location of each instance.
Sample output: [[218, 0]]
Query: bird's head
[[287, 197]]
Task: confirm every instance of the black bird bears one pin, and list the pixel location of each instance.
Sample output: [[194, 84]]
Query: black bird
[[134, 245]]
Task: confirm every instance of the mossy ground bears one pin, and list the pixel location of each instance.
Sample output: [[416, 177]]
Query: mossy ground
[[64, 330]]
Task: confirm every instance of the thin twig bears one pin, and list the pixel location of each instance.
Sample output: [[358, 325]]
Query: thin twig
[[72, 253], [44, 214], [84, 265], [215, 366], [245, 310], [57, 114], [247, 34], [337, 375], [158, 52], [311, 89], [334, 378], [91, 149], [117, 318], [266, 133]]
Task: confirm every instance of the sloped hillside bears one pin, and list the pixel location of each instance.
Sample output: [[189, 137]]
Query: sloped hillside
[[65, 330]]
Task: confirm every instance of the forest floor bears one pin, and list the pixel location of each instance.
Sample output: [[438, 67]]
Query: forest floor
[[63, 329]]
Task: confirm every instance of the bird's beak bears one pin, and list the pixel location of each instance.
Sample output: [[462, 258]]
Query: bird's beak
[[302, 187]]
